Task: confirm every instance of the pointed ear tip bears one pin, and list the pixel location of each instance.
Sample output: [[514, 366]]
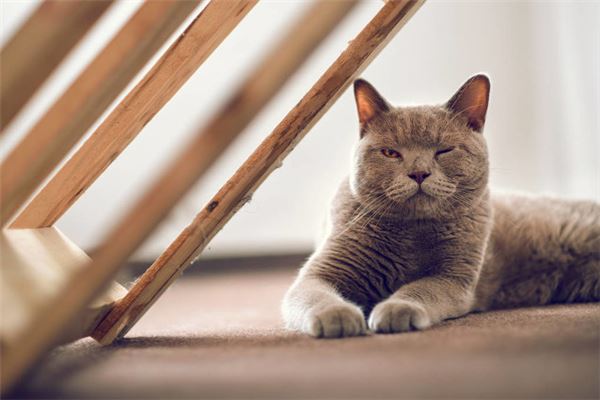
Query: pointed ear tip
[[359, 83], [482, 79]]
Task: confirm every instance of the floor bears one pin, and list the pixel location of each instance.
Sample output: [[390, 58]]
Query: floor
[[220, 336]]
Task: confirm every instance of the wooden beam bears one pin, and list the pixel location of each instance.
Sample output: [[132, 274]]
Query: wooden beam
[[40, 44], [126, 121], [146, 214], [266, 158], [35, 267], [86, 99]]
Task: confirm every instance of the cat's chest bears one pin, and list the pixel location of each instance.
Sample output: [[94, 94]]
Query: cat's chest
[[414, 248], [369, 264]]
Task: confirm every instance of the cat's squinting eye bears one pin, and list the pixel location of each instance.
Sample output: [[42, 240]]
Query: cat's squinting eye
[[391, 153], [444, 151]]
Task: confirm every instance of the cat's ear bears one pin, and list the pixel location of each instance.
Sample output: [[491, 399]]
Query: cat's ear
[[471, 101], [369, 103]]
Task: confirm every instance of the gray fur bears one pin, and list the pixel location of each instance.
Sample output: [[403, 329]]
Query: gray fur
[[407, 260]]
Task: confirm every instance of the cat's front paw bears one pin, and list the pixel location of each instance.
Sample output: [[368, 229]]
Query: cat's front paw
[[394, 315], [335, 321]]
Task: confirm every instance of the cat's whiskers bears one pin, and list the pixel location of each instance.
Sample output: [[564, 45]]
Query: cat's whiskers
[[378, 210], [370, 207]]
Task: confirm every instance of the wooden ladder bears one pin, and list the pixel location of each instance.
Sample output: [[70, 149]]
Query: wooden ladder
[[52, 292]]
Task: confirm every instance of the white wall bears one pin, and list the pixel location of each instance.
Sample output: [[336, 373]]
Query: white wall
[[543, 130]]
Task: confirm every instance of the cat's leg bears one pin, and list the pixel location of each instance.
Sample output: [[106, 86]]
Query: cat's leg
[[581, 279], [563, 284], [423, 303], [314, 307], [580, 283]]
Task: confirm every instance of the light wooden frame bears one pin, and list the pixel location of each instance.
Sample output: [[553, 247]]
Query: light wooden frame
[[81, 305], [36, 49], [86, 99]]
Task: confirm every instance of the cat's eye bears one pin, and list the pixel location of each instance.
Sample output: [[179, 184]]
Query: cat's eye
[[390, 153], [444, 151]]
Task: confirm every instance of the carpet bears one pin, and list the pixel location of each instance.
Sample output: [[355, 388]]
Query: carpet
[[221, 336]]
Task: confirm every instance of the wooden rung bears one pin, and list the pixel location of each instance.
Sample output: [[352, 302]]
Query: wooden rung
[[36, 266], [86, 99], [40, 44], [267, 157], [124, 123], [129, 233]]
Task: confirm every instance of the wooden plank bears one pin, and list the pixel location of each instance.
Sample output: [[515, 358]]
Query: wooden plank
[[38, 46], [86, 99], [153, 206], [267, 157], [124, 123], [36, 266]]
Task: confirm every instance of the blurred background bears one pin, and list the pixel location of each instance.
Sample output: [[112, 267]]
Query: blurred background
[[542, 127]]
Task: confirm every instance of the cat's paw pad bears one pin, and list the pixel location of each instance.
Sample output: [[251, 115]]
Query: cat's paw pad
[[392, 316], [334, 321]]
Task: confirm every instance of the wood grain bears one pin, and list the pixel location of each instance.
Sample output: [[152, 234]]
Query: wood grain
[[86, 99], [35, 267], [266, 158], [38, 46], [125, 122], [261, 85]]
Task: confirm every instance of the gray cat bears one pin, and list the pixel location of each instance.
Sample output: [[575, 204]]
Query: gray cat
[[416, 237]]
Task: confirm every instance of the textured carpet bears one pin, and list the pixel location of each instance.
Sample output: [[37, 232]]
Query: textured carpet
[[220, 336]]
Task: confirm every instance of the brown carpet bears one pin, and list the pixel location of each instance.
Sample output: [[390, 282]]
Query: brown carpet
[[220, 336]]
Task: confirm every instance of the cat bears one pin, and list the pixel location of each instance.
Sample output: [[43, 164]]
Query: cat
[[415, 237]]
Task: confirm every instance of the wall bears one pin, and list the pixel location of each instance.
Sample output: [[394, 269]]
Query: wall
[[542, 127]]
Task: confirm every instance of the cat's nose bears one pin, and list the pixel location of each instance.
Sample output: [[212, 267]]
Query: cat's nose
[[419, 176]]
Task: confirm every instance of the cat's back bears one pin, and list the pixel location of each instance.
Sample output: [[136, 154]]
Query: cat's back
[[536, 238], [523, 219]]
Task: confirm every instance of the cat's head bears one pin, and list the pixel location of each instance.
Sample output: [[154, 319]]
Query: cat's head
[[423, 161]]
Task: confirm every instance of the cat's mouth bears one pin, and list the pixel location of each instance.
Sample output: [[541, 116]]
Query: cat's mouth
[[422, 194], [415, 195]]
